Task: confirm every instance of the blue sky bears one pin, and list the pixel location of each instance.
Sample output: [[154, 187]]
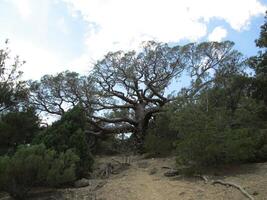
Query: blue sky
[[57, 35]]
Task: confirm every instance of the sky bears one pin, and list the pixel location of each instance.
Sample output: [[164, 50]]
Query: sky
[[57, 35]]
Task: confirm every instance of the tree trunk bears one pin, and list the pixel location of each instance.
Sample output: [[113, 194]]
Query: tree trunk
[[139, 141], [140, 132]]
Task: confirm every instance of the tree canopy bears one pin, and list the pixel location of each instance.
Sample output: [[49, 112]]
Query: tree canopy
[[13, 92]]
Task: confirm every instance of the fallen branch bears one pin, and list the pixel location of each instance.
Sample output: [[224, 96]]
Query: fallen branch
[[108, 169], [116, 161], [244, 192], [203, 178]]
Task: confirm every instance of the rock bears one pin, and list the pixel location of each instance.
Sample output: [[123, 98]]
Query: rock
[[182, 193], [255, 193], [153, 171], [81, 183], [171, 173]]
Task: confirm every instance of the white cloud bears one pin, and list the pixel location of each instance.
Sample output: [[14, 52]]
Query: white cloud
[[63, 26], [218, 34], [34, 46], [23, 7], [121, 24], [39, 61], [124, 24]]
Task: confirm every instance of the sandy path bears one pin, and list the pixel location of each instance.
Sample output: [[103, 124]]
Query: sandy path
[[137, 184]]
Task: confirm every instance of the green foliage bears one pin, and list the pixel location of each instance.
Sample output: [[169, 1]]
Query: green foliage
[[216, 131], [13, 91], [205, 149], [68, 133], [33, 166], [160, 138], [262, 41], [17, 128], [156, 146], [107, 145], [259, 64]]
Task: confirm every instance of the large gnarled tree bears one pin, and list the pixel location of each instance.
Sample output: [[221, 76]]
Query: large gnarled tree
[[126, 89], [135, 83]]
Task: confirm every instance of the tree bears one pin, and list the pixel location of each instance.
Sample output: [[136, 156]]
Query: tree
[[18, 122], [135, 82], [55, 94], [259, 64], [13, 91]]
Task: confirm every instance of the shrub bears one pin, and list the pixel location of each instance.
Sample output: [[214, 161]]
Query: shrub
[[219, 136], [160, 138], [157, 147], [212, 148], [17, 128], [68, 133], [36, 166]]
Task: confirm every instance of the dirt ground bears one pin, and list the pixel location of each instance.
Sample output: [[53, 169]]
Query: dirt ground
[[145, 180]]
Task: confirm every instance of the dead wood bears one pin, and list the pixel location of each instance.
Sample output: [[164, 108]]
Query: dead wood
[[203, 177], [241, 189]]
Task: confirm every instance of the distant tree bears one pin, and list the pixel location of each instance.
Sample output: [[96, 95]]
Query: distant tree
[[18, 122], [259, 64], [13, 91]]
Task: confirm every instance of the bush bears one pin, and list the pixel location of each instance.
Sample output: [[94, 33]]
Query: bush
[[220, 136], [68, 133], [158, 147], [160, 138], [212, 148], [36, 166], [17, 128]]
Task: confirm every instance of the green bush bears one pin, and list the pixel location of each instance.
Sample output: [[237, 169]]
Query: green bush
[[36, 166], [17, 128], [212, 148], [219, 135], [160, 138], [68, 133], [158, 147]]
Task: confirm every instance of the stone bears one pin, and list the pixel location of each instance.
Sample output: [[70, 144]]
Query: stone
[[81, 183], [153, 171]]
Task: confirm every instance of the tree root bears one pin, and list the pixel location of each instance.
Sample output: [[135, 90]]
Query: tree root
[[241, 189], [105, 173], [244, 192], [204, 178], [164, 167], [111, 168]]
